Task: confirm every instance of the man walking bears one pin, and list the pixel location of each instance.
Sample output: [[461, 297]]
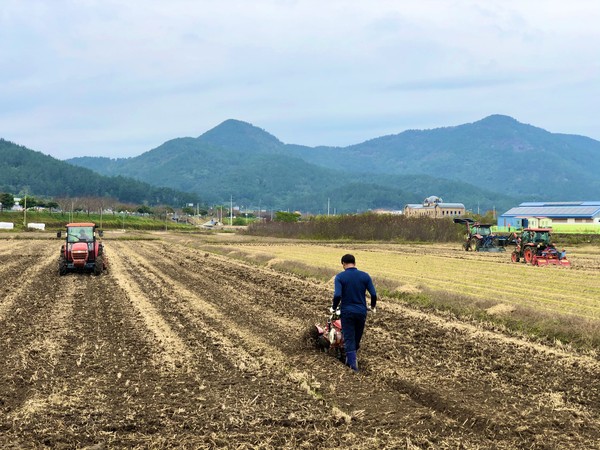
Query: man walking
[[350, 288]]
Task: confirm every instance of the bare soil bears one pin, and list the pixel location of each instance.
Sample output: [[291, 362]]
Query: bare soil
[[177, 348]]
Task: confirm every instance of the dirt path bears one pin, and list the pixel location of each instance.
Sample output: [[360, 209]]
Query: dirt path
[[179, 349]]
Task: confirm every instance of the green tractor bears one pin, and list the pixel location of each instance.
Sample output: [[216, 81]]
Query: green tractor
[[479, 237]]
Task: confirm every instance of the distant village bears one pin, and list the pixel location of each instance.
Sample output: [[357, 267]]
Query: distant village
[[527, 214]]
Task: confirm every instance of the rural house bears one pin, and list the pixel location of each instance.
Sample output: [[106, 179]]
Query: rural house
[[434, 207]]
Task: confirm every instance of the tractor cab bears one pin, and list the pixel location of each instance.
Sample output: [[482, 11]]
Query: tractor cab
[[536, 236], [542, 237], [80, 232], [481, 229]]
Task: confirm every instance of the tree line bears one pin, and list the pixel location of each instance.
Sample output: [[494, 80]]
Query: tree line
[[86, 205], [362, 227]]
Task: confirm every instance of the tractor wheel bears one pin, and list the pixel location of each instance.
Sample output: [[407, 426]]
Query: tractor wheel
[[99, 266], [475, 244], [528, 254], [62, 266], [515, 257]]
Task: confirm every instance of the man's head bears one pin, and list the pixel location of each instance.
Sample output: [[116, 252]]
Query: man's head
[[348, 259]]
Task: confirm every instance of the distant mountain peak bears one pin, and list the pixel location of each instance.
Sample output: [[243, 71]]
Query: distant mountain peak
[[500, 122], [230, 124], [241, 135], [498, 119]]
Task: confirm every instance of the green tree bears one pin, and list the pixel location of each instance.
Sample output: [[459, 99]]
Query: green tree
[[29, 201], [283, 216], [7, 200], [144, 209], [51, 205]]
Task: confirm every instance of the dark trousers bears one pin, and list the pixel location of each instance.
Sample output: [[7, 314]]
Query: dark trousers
[[353, 325]]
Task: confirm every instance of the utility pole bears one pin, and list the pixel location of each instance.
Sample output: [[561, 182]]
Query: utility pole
[[25, 213], [327, 206], [231, 211]]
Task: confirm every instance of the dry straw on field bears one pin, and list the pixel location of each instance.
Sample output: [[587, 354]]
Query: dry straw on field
[[554, 303]]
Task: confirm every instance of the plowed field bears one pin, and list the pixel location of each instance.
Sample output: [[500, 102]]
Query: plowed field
[[176, 348]]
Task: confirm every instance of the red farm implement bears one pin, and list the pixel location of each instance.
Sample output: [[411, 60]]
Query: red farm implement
[[534, 246]]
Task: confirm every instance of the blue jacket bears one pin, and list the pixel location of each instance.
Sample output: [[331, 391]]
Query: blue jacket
[[351, 286]]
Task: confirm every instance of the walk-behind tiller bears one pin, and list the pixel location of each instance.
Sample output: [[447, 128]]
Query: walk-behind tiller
[[329, 338]]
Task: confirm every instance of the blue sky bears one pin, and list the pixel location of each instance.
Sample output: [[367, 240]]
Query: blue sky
[[118, 78]]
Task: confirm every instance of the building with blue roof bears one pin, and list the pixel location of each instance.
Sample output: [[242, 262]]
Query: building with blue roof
[[545, 214]]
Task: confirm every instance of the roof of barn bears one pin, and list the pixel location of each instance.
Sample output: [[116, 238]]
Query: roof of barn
[[555, 209]]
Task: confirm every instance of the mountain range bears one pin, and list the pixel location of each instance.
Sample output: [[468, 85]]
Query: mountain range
[[495, 162]]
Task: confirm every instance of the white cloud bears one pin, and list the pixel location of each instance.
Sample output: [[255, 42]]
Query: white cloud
[[118, 78]]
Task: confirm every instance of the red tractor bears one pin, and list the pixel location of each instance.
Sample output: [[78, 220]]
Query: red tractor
[[534, 246], [82, 250]]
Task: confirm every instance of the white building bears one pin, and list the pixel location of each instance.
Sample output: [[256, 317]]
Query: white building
[[434, 207]]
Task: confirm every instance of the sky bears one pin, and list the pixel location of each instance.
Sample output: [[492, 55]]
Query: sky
[[119, 78]]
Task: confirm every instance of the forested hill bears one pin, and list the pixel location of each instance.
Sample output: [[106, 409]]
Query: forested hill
[[22, 169], [241, 161], [497, 153]]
